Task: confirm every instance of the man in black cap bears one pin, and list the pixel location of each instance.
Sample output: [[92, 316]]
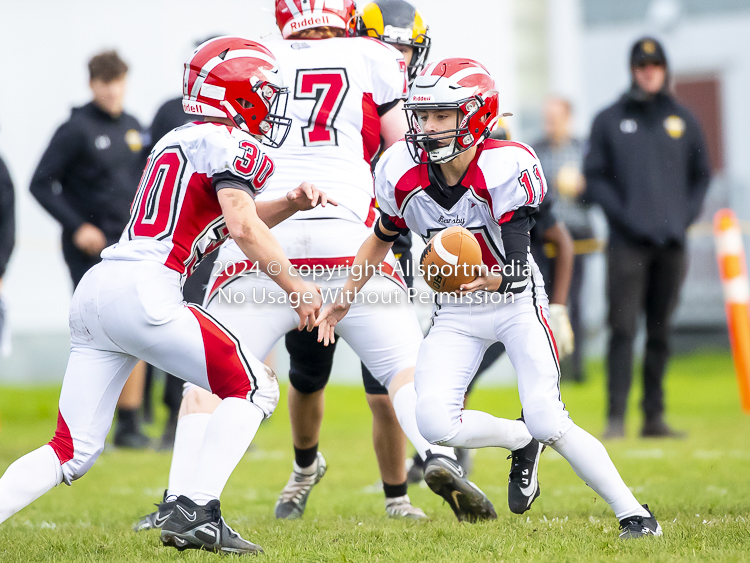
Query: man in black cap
[[86, 180], [647, 167]]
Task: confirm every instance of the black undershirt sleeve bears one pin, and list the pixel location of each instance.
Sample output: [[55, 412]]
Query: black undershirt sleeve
[[385, 108], [227, 180], [516, 242]]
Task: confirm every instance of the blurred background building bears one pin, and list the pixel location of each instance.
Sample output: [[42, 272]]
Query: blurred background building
[[577, 49]]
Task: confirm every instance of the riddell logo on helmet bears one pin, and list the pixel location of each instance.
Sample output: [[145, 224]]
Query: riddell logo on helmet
[[421, 98], [309, 22], [191, 107]]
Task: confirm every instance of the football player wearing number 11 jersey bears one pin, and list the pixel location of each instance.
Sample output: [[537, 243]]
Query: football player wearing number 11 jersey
[[447, 171], [198, 187]]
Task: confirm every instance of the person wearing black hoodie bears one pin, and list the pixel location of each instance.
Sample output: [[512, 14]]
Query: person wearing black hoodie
[[7, 233], [647, 167], [87, 179]]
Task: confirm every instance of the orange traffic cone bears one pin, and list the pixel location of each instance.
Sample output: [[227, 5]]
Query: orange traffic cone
[[730, 253]]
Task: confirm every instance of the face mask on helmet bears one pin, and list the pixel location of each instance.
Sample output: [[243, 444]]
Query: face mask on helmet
[[474, 121], [270, 130], [397, 22]]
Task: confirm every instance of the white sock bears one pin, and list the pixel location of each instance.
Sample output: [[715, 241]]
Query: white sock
[[309, 470], [405, 404], [228, 435], [28, 478], [188, 441], [590, 460], [482, 430]]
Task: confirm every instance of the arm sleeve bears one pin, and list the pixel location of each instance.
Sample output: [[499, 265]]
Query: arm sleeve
[[7, 218], [700, 172], [63, 149], [597, 168], [516, 243]]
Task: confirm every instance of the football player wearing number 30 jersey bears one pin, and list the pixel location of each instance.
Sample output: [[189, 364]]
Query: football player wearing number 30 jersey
[[448, 172], [198, 187]]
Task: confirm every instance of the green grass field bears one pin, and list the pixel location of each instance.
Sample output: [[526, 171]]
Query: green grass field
[[699, 488]]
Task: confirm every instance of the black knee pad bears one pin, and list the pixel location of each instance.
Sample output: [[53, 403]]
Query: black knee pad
[[372, 385], [310, 361]]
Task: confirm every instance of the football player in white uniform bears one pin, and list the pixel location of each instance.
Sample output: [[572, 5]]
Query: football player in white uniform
[[399, 24], [198, 187], [348, 94], [447, 172]]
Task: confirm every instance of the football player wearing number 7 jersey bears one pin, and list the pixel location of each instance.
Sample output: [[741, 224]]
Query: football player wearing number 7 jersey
[[348, 93], [447, 172], [198, 187]]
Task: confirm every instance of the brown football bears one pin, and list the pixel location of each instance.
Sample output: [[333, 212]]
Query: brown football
[[450, 259]]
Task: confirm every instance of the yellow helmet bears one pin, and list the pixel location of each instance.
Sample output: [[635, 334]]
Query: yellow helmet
[[399, 23], [501, 131]]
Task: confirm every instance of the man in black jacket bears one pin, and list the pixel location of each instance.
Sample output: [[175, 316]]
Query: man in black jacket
[[7, 233], [87, 179], [647, 167], [89, 174]]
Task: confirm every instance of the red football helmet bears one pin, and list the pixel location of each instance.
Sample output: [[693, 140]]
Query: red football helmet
[[452, 84], [238, 79], [295, 15]]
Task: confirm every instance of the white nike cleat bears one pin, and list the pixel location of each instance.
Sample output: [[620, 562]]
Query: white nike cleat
[[401, 507], [293, 498]]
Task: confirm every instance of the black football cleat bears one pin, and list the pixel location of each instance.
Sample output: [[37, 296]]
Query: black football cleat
[[639, 526], [201, 527], [523, 481], [155, 520], [446, 478]]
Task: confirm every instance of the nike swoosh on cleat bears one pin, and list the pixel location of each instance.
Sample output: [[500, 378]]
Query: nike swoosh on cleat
[[180, 541], [528, 491], [455, 494], [159, 521], [190, 516]]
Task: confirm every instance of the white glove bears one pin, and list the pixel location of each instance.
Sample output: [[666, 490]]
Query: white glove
[[561, 329]]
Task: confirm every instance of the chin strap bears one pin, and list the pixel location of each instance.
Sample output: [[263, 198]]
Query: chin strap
[[239, 121]]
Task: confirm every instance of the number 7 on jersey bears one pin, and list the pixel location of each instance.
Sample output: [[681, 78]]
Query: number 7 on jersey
[[328, 87]]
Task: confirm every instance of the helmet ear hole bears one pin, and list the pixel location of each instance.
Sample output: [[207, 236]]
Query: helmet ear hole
[[244, 104]]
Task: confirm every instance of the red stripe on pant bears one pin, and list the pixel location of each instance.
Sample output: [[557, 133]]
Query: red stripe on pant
[[227, 374], [549, 330], [62, 443]]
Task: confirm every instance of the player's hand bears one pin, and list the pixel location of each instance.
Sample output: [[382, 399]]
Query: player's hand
[[328, 318], [309, 302], [89, 239], [486, 281], [307, 196], [560, 325]]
